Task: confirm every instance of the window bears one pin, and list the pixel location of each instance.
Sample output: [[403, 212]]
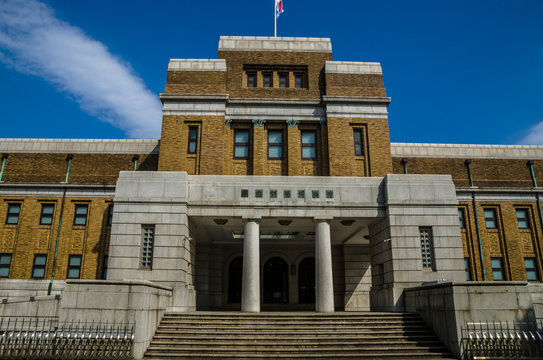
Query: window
[[251, 80], [244, 193], [74, 267], [110, 215], [5, 263], [308, 145], [241, 144], [193, 139], [38, 269], [80, 217], [531, 269], [287, 194], [461, 219], [358, 148], [497, 269], [467, 269], [490, 218], [299, 81], [104, 267], [283, 80], [301, 194], [267, 80], [427, 247], [273, 194], [148, 233], [315, 194], [13, 214], [47, 211], [522, 219], [329, 194], [275, 144]]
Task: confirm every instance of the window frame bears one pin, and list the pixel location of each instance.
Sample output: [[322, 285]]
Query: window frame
[[39, 266], [110, 215], [497, 269], [4, 266], [265, 75], [283, 76], [74, 267], [467, 269], [147, 246], [301, 76], [251, 84], [193, 130], [105, 264], [279, 145], [359, 142], [523, 219], [11, 214], [462, 218], [80, 216], [242, 144], [308, 145], [427, 248], [494, 218], [533, 270], [44, 215]]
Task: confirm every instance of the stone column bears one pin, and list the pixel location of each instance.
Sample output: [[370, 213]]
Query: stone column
[[323, 262], [250, 288]]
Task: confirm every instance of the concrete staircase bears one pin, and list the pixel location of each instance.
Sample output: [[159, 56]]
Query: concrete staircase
[[220, 335]]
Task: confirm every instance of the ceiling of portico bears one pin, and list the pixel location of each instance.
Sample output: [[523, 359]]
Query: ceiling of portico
[[280, 230]]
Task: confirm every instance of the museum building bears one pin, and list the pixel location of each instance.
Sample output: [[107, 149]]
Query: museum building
[[274, 186]]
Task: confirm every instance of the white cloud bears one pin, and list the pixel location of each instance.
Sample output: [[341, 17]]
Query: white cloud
[[34, 41], [534, 135]]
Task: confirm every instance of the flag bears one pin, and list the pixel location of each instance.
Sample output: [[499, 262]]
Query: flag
[[278, 8]]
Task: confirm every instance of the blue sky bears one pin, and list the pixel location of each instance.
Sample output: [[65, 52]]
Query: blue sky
[[457, 71]]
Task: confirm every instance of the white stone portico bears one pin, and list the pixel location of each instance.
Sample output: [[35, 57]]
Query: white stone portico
[[363, 234]]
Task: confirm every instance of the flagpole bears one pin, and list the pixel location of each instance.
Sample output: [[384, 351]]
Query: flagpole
[[275, 19]]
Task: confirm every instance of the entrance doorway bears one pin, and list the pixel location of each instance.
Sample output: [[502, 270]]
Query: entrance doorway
[[235, 273], [275, 281], [306, 281]]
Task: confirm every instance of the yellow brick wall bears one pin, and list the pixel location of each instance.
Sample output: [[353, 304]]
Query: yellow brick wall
[[28, 237], [507, 241]]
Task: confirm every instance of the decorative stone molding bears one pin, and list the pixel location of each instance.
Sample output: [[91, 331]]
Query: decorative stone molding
[[293, 123], [259, 122]]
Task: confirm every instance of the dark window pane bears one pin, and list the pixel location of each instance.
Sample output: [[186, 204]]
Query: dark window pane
[[308, 152], [251, 80], [299, 81], [267, 80], [13, 213], [47, 214], [497, 269], [490, 218], [308, 137]]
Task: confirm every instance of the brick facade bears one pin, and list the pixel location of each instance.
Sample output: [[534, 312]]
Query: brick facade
[[503, 185]]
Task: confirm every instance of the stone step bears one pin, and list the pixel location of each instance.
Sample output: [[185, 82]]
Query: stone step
[[224, 328], [294, 336], [295, 333], [237, 356], [316, 317], [291, 322], [331, 350], [428, 336], [353, 344]]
